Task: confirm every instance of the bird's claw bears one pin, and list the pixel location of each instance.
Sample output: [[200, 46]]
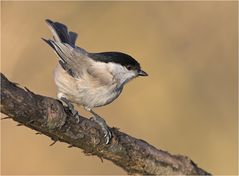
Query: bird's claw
[[77, 117], [104, 127], [71, 109], [74, 114], [107, 135]]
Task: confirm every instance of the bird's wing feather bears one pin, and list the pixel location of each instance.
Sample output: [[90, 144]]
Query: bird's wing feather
[[74, 60], [99, 74]]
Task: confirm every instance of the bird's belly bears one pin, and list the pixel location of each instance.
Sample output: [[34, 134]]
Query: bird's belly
[[99, 97], [80, 92], [89, 97]]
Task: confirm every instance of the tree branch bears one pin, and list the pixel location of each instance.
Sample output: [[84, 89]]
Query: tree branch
[[48, 116]]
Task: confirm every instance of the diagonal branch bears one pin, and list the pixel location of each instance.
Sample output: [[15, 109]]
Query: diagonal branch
[[48, 116]]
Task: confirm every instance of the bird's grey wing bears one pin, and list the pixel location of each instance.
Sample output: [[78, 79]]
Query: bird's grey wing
[[99, 74], [74, 60]]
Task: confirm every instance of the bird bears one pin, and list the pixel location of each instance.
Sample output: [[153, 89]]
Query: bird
[[89, 79]]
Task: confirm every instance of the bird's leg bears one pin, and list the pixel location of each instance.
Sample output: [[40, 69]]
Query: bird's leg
[[71, 108], [96, 118]]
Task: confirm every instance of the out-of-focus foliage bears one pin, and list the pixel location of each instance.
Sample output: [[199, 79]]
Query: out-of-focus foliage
[[187, 105]]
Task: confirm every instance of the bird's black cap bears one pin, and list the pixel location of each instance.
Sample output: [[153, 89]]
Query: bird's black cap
[[116, 57]]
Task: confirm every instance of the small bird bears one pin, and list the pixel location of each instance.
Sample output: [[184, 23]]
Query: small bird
[[89, 79]]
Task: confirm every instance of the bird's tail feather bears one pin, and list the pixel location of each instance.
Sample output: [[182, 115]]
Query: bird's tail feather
[[64, 51], [61, 34]]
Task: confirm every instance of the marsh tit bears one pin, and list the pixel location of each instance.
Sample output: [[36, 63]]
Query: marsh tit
[[89, 79]]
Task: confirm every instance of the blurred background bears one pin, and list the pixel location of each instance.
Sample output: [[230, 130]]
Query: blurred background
[[188, 104]]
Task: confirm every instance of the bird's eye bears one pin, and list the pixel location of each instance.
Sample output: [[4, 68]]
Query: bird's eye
[[129, 67]]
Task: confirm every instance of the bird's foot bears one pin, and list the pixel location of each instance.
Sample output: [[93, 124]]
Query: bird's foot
[[71, 109], [107, 133]]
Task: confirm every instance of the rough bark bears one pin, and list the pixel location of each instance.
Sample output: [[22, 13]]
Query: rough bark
[[49, 117]]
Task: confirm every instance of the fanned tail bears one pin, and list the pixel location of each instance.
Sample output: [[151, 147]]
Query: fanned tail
[[61, 34]]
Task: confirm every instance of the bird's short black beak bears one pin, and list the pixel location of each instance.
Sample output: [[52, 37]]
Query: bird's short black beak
[[142, 73]]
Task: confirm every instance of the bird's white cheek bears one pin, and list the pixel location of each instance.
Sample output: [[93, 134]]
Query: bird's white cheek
[[127, 76], [120, 73]]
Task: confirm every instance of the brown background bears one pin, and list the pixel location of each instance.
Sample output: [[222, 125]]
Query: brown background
[[187, 105]]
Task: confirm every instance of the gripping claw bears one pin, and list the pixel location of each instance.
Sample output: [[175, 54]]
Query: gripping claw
[[70, 106], [107, 133]]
